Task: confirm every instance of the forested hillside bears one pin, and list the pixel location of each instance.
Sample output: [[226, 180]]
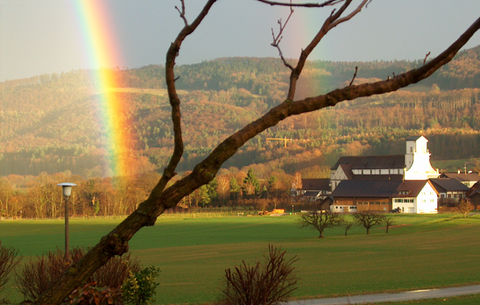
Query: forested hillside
[[51, 123]]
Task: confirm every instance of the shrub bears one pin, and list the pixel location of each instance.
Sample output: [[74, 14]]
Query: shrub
[[92, 294], [139, 288], [262, 284], [39, 275], [8, 261]]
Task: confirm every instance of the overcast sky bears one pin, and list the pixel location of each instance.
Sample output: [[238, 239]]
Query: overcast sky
[[43, 36]]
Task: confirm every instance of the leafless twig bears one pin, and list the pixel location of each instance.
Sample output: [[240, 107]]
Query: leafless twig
[[326, 3], [354, 75], [425, 59], [182, 12], [278, 38]]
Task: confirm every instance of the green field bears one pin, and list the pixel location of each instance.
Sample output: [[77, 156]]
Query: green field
[[421, 251]]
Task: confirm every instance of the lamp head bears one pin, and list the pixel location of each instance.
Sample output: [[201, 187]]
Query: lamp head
[[67, 188]]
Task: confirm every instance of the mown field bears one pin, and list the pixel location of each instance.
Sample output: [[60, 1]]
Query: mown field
[[421, 251]]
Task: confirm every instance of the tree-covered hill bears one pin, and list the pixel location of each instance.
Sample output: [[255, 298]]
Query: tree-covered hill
[[51, 122]]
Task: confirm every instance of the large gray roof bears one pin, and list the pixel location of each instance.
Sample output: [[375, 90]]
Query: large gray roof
[[448, 184], [372, 162], [461, 176], [366, 188], [315, 184], [378, 189]]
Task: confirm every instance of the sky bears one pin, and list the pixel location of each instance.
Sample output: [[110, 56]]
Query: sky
[[39, 37]]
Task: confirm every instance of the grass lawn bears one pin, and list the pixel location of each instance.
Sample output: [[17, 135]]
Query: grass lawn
[[421, 251]]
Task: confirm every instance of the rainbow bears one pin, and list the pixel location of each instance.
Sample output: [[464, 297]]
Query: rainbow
[[103, 53]]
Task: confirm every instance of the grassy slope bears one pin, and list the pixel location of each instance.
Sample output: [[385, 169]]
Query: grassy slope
[[192, 253]]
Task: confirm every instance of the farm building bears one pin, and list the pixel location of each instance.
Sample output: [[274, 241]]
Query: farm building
[[414, 196]]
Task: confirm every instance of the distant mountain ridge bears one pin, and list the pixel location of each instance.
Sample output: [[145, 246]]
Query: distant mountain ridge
[[49, 122]]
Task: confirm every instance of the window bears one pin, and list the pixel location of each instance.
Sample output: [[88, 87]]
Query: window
[[375, 171], [366, 172]]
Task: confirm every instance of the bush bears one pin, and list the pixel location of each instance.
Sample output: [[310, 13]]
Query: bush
[[92, 294], [39, 275], [8, 261], [139, 288], [262, 284]]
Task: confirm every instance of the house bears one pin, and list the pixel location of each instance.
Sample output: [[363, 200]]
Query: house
[[411, 196], [473, 195], [314, 189], [416, 196], [367, 167], [414, 165], [352, 196], [467, 178], [450, 190]]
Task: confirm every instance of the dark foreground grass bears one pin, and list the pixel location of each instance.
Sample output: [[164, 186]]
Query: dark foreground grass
[[421, 251]]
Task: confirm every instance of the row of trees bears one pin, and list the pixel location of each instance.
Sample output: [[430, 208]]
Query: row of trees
[[321, 220], [40, 197]]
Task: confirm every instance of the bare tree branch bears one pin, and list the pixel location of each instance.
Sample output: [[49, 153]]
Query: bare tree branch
[[354, 75], [277, 39], [425, 59], [182, 12], [326, 3], [326, 27], [172, 53], [351, 15]]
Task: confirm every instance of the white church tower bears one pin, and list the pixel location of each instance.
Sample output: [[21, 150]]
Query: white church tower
[[417, 160]]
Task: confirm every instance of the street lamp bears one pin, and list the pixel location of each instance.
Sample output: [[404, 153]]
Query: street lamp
[[293, 209], [67, 192]]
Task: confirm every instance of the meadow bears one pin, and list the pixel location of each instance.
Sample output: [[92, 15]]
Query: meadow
[[420, 251]]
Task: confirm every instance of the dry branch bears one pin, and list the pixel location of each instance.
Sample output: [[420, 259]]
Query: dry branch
[[278, 38], [277, 3], [354, 75]]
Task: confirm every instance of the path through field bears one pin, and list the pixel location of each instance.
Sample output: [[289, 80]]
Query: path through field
[[394, 297]]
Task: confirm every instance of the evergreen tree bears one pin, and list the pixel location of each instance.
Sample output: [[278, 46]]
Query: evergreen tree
[[252, 179]]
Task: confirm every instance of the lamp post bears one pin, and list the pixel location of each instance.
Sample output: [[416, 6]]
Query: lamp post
[[67, 192], [293, 209]]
